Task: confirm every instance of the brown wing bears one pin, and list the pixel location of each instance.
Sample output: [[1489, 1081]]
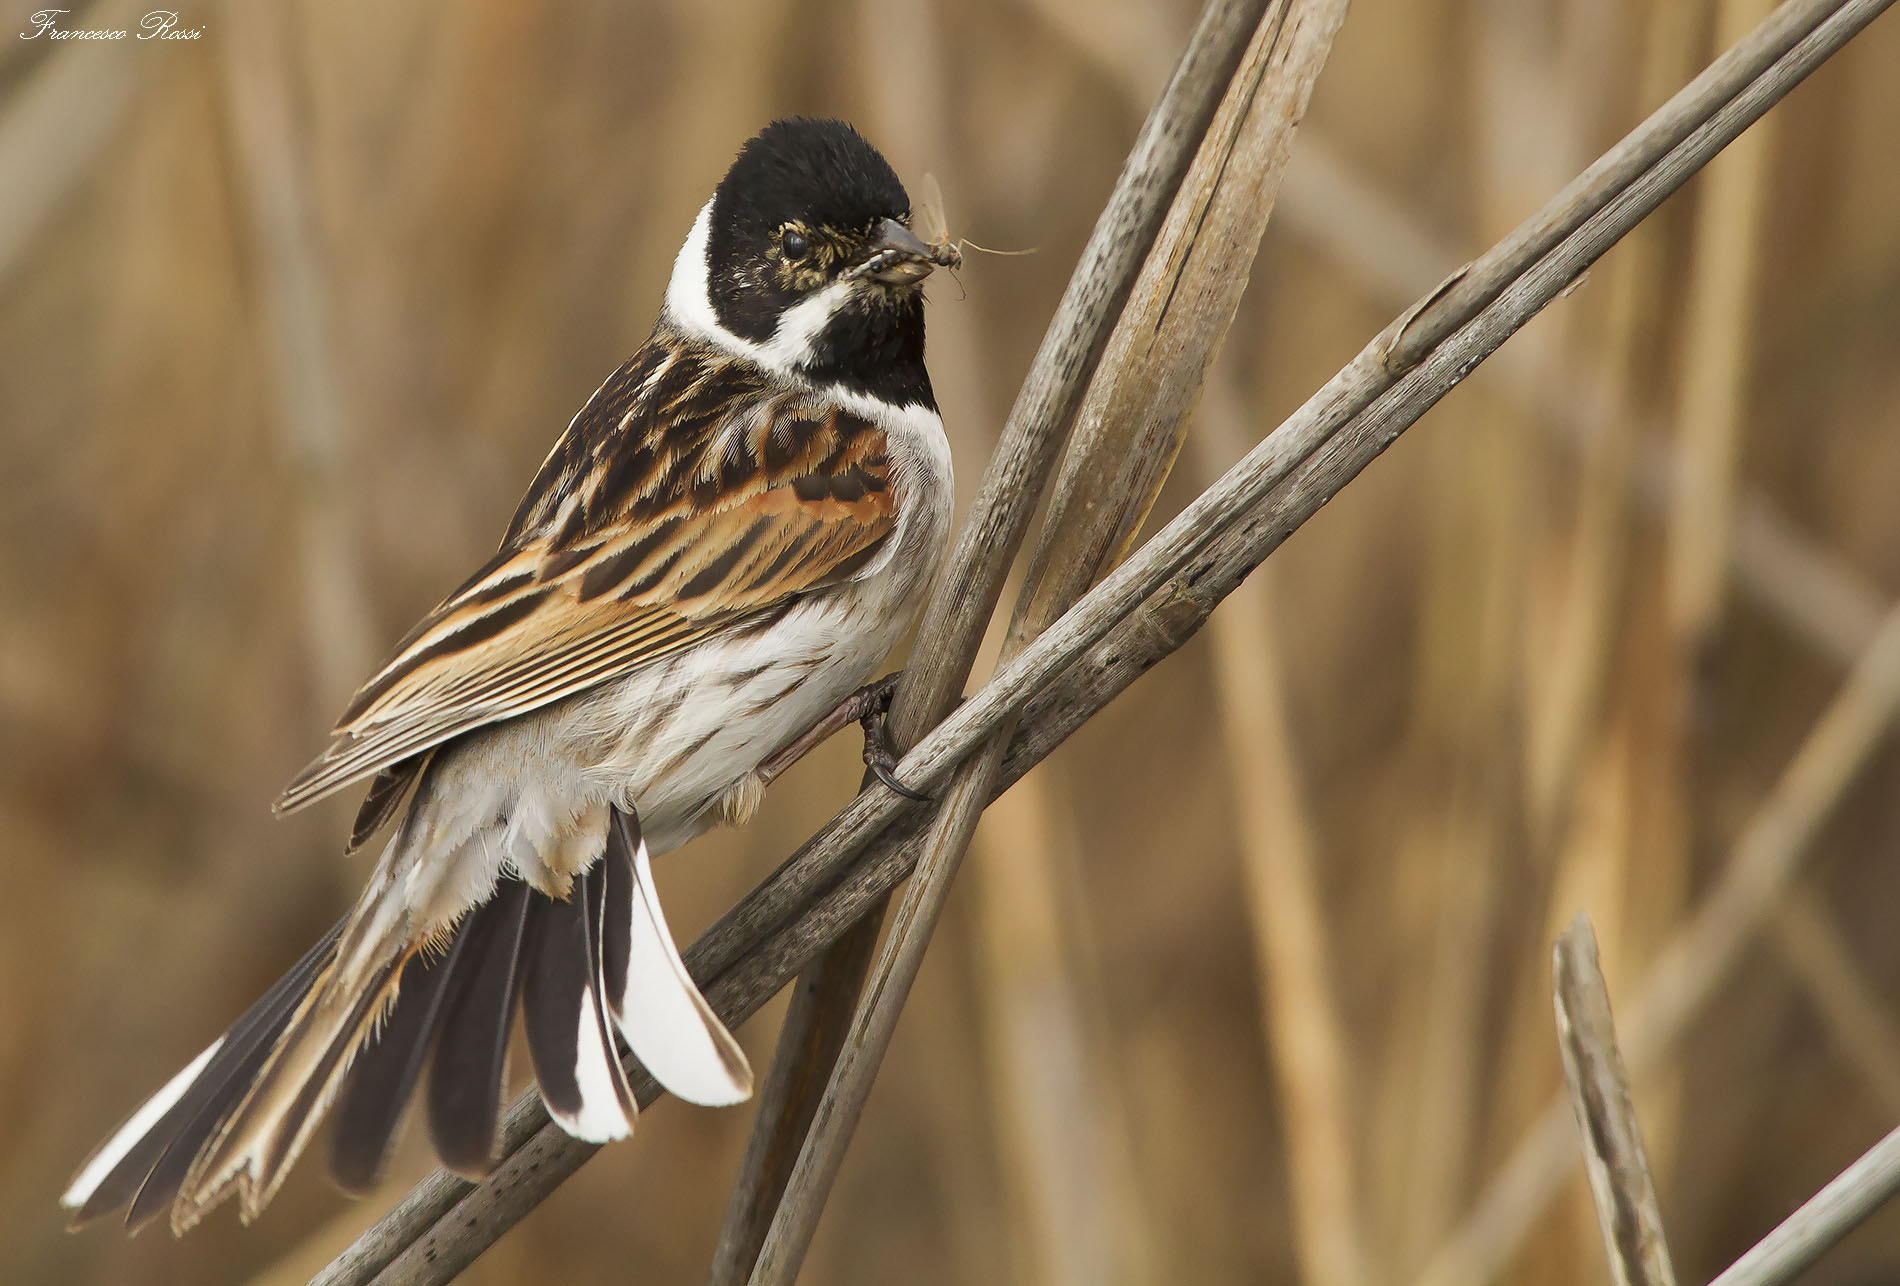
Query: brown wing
[[688, 498]]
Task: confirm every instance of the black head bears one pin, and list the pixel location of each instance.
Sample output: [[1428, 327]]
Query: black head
[[809, 254]]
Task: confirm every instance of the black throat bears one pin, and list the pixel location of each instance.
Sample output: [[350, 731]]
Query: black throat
[[875, 346]]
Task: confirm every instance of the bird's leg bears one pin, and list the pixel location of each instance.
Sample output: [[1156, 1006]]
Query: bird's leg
[[865, 707], [879, 757]]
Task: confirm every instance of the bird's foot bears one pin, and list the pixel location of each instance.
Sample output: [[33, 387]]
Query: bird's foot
[[879, 756], [867, 708]]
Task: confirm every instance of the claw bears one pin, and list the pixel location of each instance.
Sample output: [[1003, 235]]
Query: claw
[[866, 707], [878, 756], [883, 773]]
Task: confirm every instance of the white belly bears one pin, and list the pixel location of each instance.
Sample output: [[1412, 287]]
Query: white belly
[[674, 737]]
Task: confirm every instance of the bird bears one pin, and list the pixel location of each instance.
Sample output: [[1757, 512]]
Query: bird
[[718, 553]]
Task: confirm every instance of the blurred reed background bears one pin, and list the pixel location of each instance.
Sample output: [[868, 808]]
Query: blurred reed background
[[1250, 983]]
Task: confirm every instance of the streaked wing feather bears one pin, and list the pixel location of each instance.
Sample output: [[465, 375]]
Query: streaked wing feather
[[687, 499]]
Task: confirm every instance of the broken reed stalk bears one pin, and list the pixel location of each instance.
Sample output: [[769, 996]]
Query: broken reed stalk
[[1620, 1182], [967, 591], [1128, 434], [1695, 962], [1150, 605]]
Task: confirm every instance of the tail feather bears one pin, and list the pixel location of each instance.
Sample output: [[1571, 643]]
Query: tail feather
[[570, 1039], [471, 1054], [144, 1161], [603, 1020], [379, 1083], [254, 1147], [666, 1022], [358, 1017], [221, 1089]]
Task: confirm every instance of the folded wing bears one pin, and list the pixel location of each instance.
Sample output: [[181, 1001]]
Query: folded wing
[[685, 500]]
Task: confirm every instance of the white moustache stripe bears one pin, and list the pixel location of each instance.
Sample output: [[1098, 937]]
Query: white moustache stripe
[[800, 326], [689, 304]]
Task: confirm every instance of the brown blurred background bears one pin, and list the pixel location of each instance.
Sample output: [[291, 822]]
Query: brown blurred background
[[1249, 983]]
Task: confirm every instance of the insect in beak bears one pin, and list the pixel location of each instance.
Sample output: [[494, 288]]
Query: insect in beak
[[897, 257], [933, 225]]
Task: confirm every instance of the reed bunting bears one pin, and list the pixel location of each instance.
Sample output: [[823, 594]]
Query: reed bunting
[[717, 553]]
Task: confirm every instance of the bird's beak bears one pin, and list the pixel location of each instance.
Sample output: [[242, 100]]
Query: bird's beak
[[897, 256]]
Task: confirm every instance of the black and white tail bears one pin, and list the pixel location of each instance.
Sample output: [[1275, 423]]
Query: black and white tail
[[362, 1033]]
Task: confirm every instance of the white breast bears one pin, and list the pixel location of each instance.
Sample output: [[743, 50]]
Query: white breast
[[700, 723]]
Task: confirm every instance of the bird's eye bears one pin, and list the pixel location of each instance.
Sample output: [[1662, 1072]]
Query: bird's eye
[[792, 244]]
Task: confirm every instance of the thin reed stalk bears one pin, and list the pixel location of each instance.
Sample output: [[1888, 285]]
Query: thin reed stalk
[[1627, 1211], [1128, 433], [261, 73], [1292, 934], [953, 622], [1817, 1226], [1700, 956]]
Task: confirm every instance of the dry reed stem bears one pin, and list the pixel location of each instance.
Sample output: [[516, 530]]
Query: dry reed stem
[[1128, 433], [1439, 1067], [260, 71], [1471, 665], [1758, 870], [1713, 380], [58, 121], [1857, 1018], [1819, 598], [1720, 309], [1637, 892], [1832, 1213], [1299, 1005], [1139, 614], [1067, 1180], [954, 620], [1627, 1212], [1561, 725]]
